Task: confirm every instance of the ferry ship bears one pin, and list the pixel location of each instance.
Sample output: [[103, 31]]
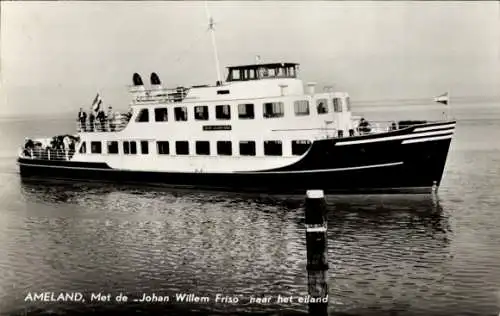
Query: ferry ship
[[259, 130]]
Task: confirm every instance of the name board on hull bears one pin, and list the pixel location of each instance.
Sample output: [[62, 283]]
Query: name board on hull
[[216, 127]]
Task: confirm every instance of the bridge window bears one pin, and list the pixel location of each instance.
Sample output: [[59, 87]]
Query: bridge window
[[223, 112], [348, 104], [129, 148], [247, 148], [322, 106], [201, 113], [235, 74], [299, 147], [96, 147], [246, 111], [182, 147], [180, 113], [224, 148], [273, 148], [144, 147], [162, 148], [337, 105], [143, 116], [202, 148], [161, 115], [112, 147], [301, 107], [274, 109], [83, 148]]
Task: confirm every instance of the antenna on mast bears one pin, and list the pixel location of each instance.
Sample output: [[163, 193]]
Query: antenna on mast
[[211, 28]]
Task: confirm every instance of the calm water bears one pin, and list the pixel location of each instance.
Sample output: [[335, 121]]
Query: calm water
[[388, 255]]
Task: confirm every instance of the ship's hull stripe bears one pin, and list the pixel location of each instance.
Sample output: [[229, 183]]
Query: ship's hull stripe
[[430, 128], [332, 170], [236, 172], [389, 138], [426, 139]]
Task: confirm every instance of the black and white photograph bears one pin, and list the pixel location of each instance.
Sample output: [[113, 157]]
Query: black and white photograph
[[274, 158]]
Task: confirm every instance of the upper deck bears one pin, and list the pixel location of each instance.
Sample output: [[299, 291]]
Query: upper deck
[[242, 82]]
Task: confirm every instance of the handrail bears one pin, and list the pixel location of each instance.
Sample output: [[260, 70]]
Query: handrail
[[162, 94], [47, 154], [115, 125]]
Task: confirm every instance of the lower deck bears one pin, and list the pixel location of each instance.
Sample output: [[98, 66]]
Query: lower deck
[[409, 159]]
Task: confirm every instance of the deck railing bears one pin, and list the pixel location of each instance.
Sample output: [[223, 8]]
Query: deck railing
[[161, 95], [114, 125], [47, 154]]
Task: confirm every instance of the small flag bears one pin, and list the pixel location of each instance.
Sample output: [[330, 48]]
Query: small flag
[[96, 104], [257, 59], [443, 98]]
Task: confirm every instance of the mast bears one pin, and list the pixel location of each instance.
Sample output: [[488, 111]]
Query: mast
[[214, 44]]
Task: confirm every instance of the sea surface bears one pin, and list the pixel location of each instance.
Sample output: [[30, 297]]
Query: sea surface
[[388, 255]]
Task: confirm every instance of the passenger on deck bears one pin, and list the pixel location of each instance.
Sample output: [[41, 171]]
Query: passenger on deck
[[394, 126], [128, 115], [101, 118], [82, 119], [364, 126], [28, 148], [91, 121], [111, 119]]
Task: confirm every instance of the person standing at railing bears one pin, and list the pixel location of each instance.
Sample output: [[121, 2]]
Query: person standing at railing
[[364, 126], [91, 121], [82, 119], [110, 118], [393, 126], [101, 118]]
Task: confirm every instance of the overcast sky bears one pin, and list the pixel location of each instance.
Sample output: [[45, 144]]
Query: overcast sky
[[56, 55]]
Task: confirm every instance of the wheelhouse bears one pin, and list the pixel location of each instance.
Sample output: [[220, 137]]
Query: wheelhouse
[[262, 71]]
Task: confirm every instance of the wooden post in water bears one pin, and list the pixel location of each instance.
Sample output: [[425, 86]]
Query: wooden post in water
[[317, 262]]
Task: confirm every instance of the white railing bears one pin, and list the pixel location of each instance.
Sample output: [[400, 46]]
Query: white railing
[[161, 95], [114, 125], [47, 154]]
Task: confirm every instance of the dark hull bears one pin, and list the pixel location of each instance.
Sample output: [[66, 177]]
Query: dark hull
[[365, 167]]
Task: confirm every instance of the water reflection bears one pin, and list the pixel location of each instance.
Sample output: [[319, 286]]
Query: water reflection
[[384, 252]]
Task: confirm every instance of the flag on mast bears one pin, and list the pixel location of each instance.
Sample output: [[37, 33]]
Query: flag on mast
[[96, 104], [443, 98]]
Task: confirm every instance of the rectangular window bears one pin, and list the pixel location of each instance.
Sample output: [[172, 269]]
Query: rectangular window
[[201, 113], [83, 148], [274, 109], [161, 115], [133, 148], [113, 147], [162, 148], [273, 148], [143, 116], [180, 113], [129, 148], [337, 105], [144, 147], [301, 107], [224, 148], [299, 147], [223, 112], [182, 148], [126, 148], [202, 148], [247, 148], [322, 106], [96, 147], [246, 111]]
